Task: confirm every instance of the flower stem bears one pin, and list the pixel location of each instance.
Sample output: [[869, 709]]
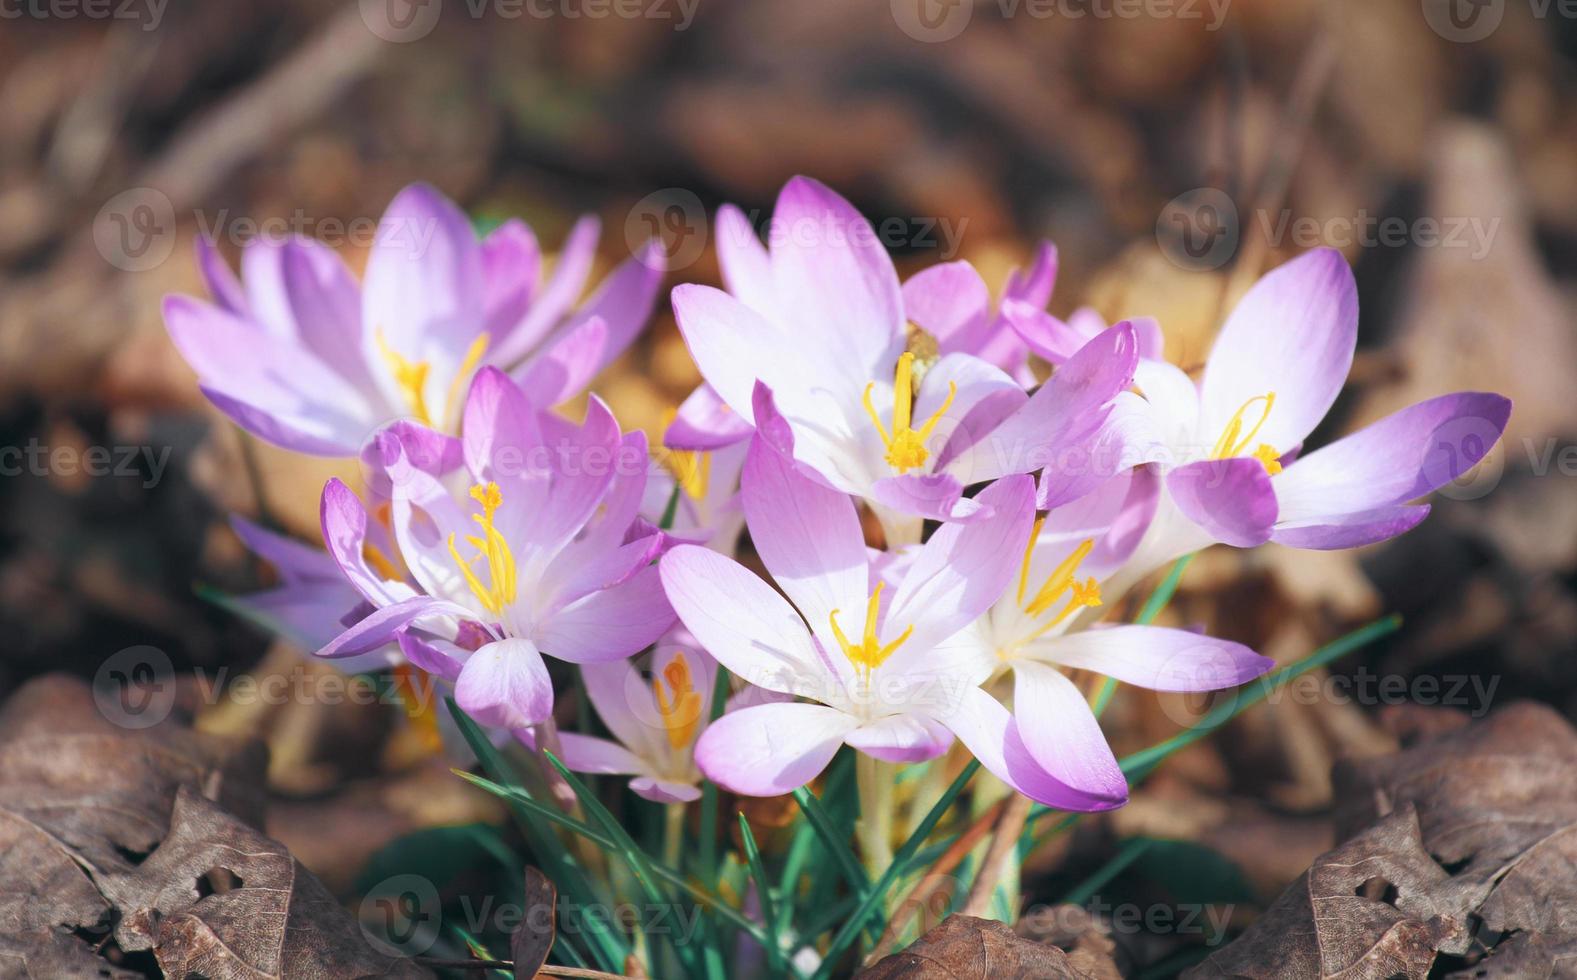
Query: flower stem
[[673, 834], [875, 779]]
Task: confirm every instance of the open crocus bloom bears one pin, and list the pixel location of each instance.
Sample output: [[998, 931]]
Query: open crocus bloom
[[871, 661], [539, 551], [819, 319], [1055, 340], [1230, 446], [1033, 631], [305, 358]]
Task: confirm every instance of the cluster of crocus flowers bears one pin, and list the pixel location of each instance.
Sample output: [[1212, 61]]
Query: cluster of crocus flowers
[[495, 531]]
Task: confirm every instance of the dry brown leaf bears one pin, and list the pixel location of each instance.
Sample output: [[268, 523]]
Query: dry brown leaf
[[965, 948], [532, 940]]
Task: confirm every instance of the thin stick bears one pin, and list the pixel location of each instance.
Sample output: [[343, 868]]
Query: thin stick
[[1004, 843]]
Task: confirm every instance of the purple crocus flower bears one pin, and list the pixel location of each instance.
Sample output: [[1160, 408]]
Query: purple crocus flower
[[819, 319], [304, 357], [1033, 632], [539, 550], [1230, 446], [873, 664]]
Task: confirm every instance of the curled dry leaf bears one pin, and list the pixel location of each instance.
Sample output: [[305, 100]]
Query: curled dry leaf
[[109, 828], [966, 948], [1457, 859]]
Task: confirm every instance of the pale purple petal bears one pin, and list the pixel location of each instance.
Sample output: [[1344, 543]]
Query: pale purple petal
[[511, 268], [1402, 457], [325, 303], [933, 496], [567, 363], [435, 656], [808, 536], [1293, 334], [380, 626], [664, 790], [740, 620], [1231, 499], [582, 753], [223, 286], [771, 749], [1351, 530], [563, 288], [992, 736], [950, 302], [1158, 659], [1061, 732], [746, 267], [610, 624], [901, 738], [506, 685], [501, 435], [705, 422]]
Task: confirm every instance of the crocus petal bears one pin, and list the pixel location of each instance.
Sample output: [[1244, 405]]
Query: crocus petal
[[325, 303], [223, 286], [978, 396], [1402, 457], [436, 657], [951, 303], [344, 524], [807, 535], [1293, 334], [1158, 659], [1067, 411], [500, 431], [506, 684], [993, 737], [625, 299], [624, 702], [932, 496], [563, 288], [1231, 499], [746, 267], [293, 560], [771, 749], [568, 363], [901, 738], [963, 569], [844, 289], [381, 625], [1351, 530], [269, 385], [739, 619], [423, 289], [1061, 732], [705, 422], [511, 266], [664, 790], [582, 753], [610, 624]]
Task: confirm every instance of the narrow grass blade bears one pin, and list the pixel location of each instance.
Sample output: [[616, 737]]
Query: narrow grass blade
[[758, 872], [842, 854], [1088, 888]]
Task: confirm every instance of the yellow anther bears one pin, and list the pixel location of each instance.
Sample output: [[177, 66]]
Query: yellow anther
[[692, 469], [1060, 582], [869, 653], [1266, 453], [682, 712], [493, 549], [906, 445], [1234, 441], [409, 376]]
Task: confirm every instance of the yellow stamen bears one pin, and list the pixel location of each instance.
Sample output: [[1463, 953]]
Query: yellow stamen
[[1060, 582], [1234, 442], [409, 376], [457, 386], [869, 653], [493, 549], [682, 713], [906, 445]]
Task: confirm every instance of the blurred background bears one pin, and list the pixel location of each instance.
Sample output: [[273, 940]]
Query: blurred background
[[1172, 149]]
